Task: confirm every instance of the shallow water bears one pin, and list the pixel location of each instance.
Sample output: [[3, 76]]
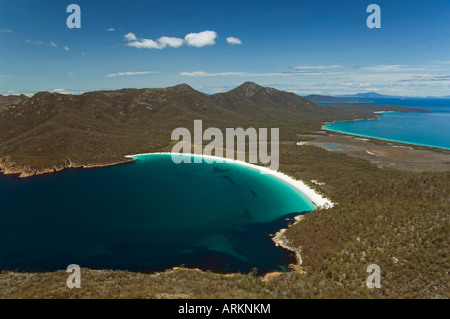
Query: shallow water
[[430, 129], [147, 215]]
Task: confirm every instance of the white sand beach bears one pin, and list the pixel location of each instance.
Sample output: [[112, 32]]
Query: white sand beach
[[319, 200]]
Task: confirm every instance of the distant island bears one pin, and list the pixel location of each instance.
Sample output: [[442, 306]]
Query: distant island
[[333, 99], [374, 95], [368, 95]]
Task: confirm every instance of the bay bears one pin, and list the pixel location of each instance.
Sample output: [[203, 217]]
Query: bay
[[147, 215], [428, 129]]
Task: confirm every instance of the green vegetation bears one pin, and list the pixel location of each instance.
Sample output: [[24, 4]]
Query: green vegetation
[[54, 131], [397, 220]]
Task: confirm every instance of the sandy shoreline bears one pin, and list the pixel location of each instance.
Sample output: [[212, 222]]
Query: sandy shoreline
[[24, 171], [378, 115], [279, 238], [318, 200], [324, 127]]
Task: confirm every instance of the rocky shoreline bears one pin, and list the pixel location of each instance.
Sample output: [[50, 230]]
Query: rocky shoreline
[[9, 167], [281, 240]]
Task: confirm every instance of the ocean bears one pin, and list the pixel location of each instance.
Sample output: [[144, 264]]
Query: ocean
[[147, 215], [429, 129]]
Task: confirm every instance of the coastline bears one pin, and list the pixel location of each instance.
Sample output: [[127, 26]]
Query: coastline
[[381, 138], [24, 171], [279, 238], [319, 201], [377, 117]]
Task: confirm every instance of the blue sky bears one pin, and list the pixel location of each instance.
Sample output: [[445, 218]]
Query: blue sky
[[322, 47]]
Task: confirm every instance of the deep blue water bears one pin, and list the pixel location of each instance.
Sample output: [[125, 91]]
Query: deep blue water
[[147, 215], [430, 129]]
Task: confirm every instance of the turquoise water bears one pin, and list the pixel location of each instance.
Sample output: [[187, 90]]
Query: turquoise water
[[429, 129], [147, 215]]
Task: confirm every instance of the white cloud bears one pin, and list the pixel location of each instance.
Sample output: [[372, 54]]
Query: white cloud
[[145, 44], [383, 68], [198, 40], [130, 73], [49, 44], [386, 79], [171, 42], [316, 67], [201, 39], [396, 68], [203, 74], [233, 40], [321, 68], [6, 31], [110, 30], [428, 78], [63, 91], [130, 37], [82, 53], [394, 79], [159, 44], [34, 42]]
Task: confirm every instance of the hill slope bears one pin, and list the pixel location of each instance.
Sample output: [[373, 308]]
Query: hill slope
[[397, 220], [51, 131]]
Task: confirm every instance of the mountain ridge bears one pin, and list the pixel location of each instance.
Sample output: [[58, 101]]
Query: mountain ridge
[[52, 131]]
